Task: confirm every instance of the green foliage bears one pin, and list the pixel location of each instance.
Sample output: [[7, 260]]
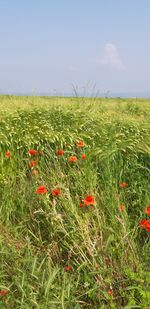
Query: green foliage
[[41, 235]]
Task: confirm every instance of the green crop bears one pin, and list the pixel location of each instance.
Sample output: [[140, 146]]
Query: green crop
[[57, 249]]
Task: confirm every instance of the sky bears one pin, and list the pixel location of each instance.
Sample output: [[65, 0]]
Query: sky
[[66, 46]]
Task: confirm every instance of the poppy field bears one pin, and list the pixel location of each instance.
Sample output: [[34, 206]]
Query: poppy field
[[74, 203]]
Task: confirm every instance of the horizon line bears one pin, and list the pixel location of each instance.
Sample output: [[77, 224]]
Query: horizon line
[[107, 94]]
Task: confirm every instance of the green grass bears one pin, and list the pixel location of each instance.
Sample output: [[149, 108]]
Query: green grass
[[40, 235]]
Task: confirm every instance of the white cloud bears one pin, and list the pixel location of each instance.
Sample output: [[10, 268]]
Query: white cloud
[[111, 57]]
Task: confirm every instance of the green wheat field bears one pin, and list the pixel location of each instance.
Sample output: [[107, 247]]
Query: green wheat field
[[74, 203]]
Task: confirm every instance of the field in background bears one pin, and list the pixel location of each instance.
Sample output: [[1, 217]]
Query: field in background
[[57, 250], [10, 104]]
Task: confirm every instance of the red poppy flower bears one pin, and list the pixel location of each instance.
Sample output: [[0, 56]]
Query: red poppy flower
[[72, 159], [3, 293], [121, 207], [123, 184], [89, 200], [143, 223], [80, 144], [35, 172], [68, 268], [147, 226], [147, 210], [60, 152], [32, 163], [32, 152], [81, 205], [41, 190], [56, 192], [83, 156], [7, 154], [110, 291]]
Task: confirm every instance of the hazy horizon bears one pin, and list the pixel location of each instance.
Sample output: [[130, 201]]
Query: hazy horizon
[[72, 94]]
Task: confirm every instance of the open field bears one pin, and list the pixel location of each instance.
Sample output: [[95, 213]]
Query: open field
[[74, 187]]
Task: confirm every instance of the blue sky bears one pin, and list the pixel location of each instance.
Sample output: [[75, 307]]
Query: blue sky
[[93, 45]]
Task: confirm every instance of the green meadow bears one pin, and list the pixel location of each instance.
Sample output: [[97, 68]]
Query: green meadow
[[74, 233]]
